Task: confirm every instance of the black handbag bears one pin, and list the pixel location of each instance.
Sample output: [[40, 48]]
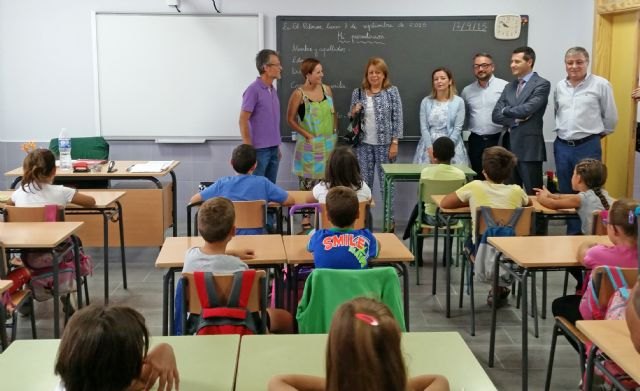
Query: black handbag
[[354, 132]]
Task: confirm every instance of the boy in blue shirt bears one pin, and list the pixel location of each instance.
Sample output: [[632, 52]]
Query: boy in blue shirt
[[244, 186], [342, 247]]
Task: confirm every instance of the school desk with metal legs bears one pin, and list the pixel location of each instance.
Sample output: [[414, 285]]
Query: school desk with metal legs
[[392, 253], [206, 362], [404, 172], [268, 253], [300, 197], [611, 340], [445, 353], [109, 207], [531, 254], [121, 171], [21, 236]]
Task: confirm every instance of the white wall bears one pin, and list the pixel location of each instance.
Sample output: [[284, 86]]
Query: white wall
[[46, 64]]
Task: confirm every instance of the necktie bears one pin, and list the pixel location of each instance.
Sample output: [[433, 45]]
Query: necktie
[[520, 87]]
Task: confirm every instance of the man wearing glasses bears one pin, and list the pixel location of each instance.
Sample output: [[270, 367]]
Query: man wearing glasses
[[585, 112], [260, 115], [480, 97]]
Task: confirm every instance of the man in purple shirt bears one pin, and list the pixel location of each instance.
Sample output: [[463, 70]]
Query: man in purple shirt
[[260, 115]]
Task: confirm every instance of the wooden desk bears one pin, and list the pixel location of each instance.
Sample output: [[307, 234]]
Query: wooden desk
[[405, 172], [137, 202], [532, 253], [613, 339], [204, 362], [269, 252], [4, 341], [109, 207], [262, 356], [392, 252], [42, 236]]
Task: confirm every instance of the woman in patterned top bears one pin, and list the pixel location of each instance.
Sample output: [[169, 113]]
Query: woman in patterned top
[[311, 114], [441, 115], [382, 121]]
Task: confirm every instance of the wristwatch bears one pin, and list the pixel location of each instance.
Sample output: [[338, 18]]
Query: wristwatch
[[394, 141]]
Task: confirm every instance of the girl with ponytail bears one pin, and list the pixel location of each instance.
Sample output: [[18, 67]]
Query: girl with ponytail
[[588, 180], [37, 188]]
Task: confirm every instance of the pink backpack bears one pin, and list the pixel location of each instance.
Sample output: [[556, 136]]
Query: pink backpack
[[590, 306], [40, 264]]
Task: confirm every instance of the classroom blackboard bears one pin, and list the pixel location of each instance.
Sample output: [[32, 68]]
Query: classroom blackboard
[[412, 46]]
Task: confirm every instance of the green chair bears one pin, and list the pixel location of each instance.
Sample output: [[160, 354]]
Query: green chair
[[84, 148], [420, 230], [326, 289]]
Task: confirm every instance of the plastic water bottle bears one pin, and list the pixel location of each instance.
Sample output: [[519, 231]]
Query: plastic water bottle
[[64, 146]]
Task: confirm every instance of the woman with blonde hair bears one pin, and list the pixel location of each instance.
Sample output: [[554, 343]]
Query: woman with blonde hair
[[383, 126], [441, 115]]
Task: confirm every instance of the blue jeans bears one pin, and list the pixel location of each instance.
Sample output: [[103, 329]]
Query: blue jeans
[[566, 158], [268, 162]]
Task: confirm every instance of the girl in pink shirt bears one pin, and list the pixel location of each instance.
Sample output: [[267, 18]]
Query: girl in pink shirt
[[622, 230]]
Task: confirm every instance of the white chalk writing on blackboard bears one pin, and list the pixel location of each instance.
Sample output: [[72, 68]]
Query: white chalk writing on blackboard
[[377, 25], [311, 26], [470, 26], [366, 38]]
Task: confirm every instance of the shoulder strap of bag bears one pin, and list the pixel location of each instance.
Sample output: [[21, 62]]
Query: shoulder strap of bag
[[515, 217], [206, 289], [241, 288], [617, 280], [488, 219]]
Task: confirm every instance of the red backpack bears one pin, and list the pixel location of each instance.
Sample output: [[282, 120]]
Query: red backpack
[[234, 318]]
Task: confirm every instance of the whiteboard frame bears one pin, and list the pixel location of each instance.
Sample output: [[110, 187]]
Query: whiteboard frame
[[96, 73]]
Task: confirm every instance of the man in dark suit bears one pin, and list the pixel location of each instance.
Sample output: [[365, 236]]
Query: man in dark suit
[[520, 109]]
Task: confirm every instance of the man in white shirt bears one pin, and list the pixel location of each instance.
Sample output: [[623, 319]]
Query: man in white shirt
[[585, 112], [480, 98]]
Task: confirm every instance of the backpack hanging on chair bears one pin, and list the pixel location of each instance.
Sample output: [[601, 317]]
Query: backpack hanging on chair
[[234, 318], [485, 254]]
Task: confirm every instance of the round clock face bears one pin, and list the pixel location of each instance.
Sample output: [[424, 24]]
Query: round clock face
[[507, 27]]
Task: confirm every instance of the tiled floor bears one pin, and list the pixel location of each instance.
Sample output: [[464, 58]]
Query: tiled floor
[[427, 314]]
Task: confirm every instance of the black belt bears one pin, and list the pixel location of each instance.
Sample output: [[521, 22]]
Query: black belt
[[575, 143], [486, 137]]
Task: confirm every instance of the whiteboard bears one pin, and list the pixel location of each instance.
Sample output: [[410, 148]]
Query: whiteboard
[[173, 76]]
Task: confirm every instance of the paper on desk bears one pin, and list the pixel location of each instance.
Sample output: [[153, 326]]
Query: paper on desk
[[151, 166]]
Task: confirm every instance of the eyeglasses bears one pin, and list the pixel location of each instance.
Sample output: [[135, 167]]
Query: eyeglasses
[[476, 66], [275, 65]]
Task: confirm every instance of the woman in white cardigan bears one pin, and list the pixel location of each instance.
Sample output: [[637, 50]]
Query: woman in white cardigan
[[441, 114]]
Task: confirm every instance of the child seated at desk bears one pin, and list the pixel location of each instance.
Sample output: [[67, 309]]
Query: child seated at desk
[[244, 186], [342, 247], [622, 230], [215, 224], [107, 348], [37, 188], [363, 353], [497, 167], [441, 153], [343, 169], [589, 176]]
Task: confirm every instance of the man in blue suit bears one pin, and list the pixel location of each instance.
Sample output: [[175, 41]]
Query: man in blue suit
[[520, 109]]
